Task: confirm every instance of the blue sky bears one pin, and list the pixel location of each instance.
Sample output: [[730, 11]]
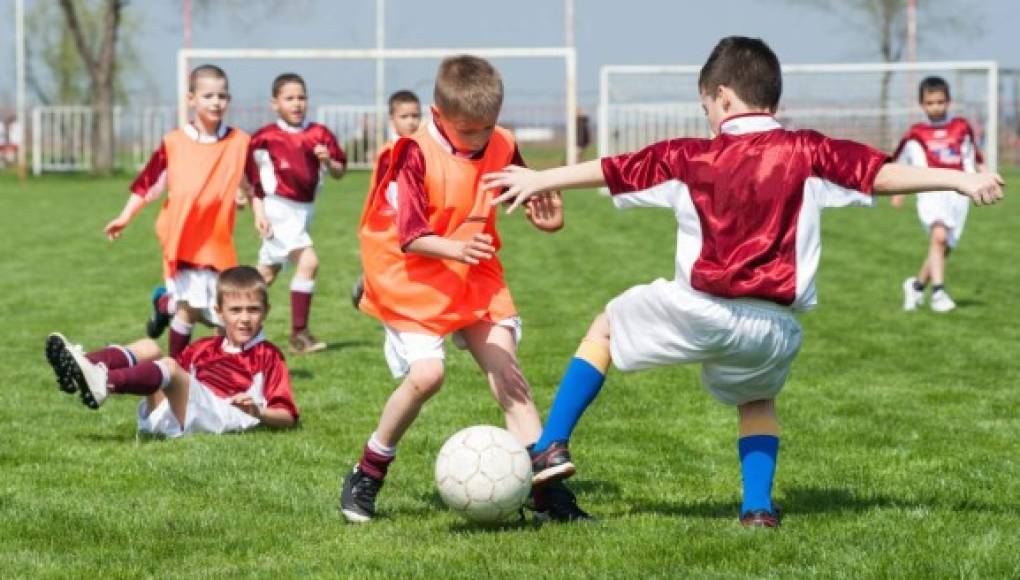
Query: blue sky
[[637, 31]]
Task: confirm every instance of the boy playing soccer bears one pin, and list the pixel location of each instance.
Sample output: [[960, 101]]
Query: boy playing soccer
[[428, 246], [405, 118], [944, 141], [288, 158], [218, 384], [201, 165], [748, 205]]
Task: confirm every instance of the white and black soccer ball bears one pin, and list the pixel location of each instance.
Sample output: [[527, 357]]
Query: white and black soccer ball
[[483, 473]]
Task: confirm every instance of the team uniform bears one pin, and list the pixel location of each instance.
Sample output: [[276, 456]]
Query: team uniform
[[947, 144], [287, 174], [429, 188], [195, 226], [218, 373], [748, 206]]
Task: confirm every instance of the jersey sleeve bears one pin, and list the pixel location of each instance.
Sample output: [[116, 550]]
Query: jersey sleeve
[[277, 390], [911, 152], [257, 163], [411, 197], [975, 152], [650, 177], [848, 164], [336, 152], [151, 181]]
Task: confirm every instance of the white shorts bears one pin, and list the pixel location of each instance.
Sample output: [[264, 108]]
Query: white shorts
[[196, 288], [946, 207], [403, 348], [206, 413], [745, 346], [290, 220]]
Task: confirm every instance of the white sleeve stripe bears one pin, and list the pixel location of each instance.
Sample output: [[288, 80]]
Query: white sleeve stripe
[[663, 195], [831, 194], [267, 173]]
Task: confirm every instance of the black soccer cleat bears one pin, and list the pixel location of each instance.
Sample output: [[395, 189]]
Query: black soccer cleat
[[357, 291], [551, 465], [357, 497], [61, 362], [762, 518], [158, 321], [555, 502]]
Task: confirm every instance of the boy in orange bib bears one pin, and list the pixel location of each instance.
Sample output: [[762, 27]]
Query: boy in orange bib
[[201, 166], [428, 248]]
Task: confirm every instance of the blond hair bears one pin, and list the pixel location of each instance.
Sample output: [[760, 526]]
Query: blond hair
[[241, 280], [206, 71], [468, 86]]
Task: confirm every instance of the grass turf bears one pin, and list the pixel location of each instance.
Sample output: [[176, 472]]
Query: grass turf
[[899, 449]]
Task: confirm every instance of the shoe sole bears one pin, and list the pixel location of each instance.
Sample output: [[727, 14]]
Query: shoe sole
[[73, 375], [311, 350], [354, 517], [553, 474], [55, 346]]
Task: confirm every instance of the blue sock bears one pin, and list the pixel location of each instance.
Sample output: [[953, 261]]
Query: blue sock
[[580, 384], [758, 463]]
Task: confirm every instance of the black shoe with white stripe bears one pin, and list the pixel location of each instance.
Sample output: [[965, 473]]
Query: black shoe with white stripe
[[357, 497]]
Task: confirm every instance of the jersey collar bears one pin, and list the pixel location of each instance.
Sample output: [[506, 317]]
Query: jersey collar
[[748, 123], [293, 128], [231, 349], [191, 131], [942, 123]]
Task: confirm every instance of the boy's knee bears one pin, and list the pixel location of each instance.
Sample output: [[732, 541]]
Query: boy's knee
[[268, 273], [938, 234], [426, 377], [146, 349]]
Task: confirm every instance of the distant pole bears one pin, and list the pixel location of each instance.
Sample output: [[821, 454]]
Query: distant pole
[[911, 47], [19, 56], [380, 72], [187, 23], [569, 39]]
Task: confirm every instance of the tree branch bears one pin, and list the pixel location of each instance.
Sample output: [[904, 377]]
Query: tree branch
[[74, 25]]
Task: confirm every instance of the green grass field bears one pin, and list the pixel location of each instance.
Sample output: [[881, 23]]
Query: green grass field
[[899, 454]]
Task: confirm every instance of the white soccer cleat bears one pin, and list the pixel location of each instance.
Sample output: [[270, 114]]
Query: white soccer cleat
[[90, 378], [912, 298], [941, 302]]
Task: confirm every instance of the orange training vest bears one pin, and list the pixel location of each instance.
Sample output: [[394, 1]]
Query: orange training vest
[[373, 178], [414, 293], [196, 223]]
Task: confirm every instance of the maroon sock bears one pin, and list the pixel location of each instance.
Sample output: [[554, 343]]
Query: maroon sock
[[114, 357], [163, 304], [375, 464], [177, 342], [142, 379], [300, 304]]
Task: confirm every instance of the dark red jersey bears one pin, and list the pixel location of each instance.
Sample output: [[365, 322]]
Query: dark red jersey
[[284, 161], [946, 144]]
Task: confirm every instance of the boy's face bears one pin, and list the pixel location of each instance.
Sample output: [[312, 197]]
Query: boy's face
[[243, 314], [466, 133], [209, 99], [406, 117], [291, 103], [935, 104]]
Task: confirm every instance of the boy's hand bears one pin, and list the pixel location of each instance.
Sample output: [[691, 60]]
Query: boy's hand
[[545, 211], [115, 227], [241, 199], [897, 201], [321, 152], [983, 188], [517, 183], [247, 404], [478, 248], [263, 227]]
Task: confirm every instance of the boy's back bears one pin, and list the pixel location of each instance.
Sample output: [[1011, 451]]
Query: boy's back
[[748, 203]]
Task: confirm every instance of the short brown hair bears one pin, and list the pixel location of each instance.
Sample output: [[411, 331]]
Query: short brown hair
[[241, 280], [285, 79], [404, 96], [933, 85], [468, 86], [206, 71], [746, 65]]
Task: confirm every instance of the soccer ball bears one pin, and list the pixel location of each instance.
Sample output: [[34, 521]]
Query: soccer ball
[[483, 473]]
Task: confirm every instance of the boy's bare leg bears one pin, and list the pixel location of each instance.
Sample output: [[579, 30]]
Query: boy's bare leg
[[758, 447], [302, 287], [177, 391], [421, 383], [934, 266], [495, 350], [269, 272]]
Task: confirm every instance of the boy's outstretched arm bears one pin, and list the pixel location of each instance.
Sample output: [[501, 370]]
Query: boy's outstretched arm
[[983, 188], [134, 204], [472, 251], [521, 183]]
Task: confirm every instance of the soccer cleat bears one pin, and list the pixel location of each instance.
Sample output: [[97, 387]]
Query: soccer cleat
[[304, 343], [90, 379], [941, 302], [158, 321], [555, 502], [357, 497], [762, 518], [551, 465], [58, 355], [357, 291], [912, 297]]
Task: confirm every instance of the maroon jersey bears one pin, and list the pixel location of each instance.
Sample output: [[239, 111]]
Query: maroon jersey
[[229, 372], [412, 201], [284, 161], [748, 203], [946, 144]]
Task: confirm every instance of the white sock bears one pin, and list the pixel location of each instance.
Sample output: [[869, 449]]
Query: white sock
[[375, 445], [306, 285], [180, 327], [165, 371]]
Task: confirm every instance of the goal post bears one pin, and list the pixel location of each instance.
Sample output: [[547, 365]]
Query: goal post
[[566, 54], [869, 102]]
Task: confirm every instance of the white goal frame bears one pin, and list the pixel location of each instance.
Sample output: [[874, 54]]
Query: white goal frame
[[567, 54], [991, 148]]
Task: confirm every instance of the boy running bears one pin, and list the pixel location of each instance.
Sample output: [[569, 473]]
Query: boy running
[[288, 159], [428, 248], [944, 141], [218, 384], [748, 205]]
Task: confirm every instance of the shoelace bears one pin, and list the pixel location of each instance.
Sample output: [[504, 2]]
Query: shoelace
[[366, 487]]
